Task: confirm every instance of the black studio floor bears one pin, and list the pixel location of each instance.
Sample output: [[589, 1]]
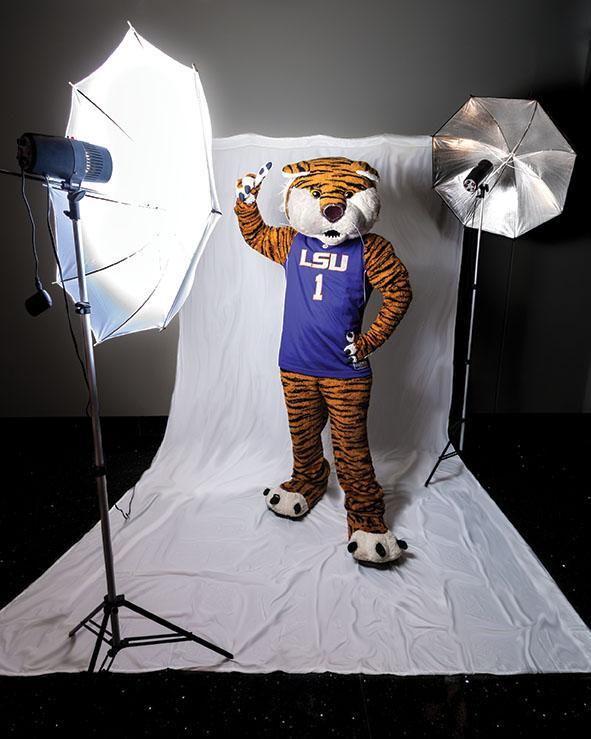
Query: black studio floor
[[536, 469]]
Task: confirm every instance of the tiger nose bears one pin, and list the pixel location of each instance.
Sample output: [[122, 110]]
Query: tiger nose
[[333, 212]]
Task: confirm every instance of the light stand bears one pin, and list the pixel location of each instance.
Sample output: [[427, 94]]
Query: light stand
[[482, 190], [70, 162], [112, 602]]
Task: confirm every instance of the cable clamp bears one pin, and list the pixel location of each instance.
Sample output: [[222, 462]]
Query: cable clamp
[[82, 308], [98, 471]]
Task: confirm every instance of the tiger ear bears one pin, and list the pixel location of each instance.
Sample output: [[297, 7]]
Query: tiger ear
[[365, 169], [298, 169]]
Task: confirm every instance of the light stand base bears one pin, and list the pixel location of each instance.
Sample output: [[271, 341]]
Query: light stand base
[[482, 190], [443, 455], [112, 602], [110, 609]]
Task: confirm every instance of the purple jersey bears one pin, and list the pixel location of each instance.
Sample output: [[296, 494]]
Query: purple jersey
[[325, 297]]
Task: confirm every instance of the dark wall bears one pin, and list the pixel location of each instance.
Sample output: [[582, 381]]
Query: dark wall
[[288, 69]]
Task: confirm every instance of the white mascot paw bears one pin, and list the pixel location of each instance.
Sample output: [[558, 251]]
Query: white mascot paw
[[247, 187], [375, 549], [284, 503], [351, 348]]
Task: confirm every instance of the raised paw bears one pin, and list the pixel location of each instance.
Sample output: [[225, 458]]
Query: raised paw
[[247, 187], [284, 503], [375, 549]]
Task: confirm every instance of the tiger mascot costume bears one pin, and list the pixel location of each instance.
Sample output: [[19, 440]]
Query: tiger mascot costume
[[332, 262]]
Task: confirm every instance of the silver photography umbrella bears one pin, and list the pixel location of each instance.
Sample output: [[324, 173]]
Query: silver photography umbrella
[[532, 164], [505, 162]]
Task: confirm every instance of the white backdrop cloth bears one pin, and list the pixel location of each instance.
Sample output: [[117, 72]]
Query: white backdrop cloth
[[200, 547]]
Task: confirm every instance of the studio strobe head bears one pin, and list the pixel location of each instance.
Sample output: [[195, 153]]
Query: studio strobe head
[[65, 159]]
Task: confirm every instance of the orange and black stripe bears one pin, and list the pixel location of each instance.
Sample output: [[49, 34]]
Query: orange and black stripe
[[310, 401]]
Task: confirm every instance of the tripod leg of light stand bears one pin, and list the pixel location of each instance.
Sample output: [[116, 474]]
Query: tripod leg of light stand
[[179, 634], [441, 457], [462, 421], [187, 635], [99, 641], [112, 601], [88, 618]]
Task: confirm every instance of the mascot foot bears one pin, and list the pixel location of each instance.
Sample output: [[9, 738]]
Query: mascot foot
[[284, 503], [375, 550]]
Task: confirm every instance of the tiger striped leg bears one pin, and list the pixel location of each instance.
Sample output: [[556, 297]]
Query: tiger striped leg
[[307, 414], [347, 400]]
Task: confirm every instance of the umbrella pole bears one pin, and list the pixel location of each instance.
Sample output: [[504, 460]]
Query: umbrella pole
[[112, 602], [482, 189]]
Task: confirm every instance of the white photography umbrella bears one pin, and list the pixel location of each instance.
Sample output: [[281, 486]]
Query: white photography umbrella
[[142, 244]]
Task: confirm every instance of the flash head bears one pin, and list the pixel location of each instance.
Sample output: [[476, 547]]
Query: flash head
[[477, 174], [64, 158]]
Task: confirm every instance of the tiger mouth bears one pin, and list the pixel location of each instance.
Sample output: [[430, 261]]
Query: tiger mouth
[[332, 233]]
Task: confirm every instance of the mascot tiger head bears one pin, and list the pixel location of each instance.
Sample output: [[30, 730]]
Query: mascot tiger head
[[331, 198]]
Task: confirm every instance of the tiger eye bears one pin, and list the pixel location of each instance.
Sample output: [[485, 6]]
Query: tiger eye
[[348, 194], [315, 193]]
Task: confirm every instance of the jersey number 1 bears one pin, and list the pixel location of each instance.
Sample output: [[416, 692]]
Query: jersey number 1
[[318, 294]]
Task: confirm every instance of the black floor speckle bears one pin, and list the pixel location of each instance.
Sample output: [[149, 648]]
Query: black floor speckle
[[533, 466]]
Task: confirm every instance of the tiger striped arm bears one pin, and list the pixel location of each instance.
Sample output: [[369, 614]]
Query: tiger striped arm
[[272, 242], [387, 274]]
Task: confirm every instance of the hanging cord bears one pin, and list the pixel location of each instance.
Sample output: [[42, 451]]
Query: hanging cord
[[360, 236], [38, 284]]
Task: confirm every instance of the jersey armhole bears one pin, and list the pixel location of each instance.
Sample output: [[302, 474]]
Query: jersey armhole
[[367, 286], [367, 241], [284, 264]]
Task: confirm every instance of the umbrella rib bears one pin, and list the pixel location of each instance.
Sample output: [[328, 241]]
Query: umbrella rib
[[135, 34], [527, 128], [108, 266], [495, 120], [96, 196], [134, 313], [201, 246], [545, 151], [98, 107], [501, 130], [209, 174]]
